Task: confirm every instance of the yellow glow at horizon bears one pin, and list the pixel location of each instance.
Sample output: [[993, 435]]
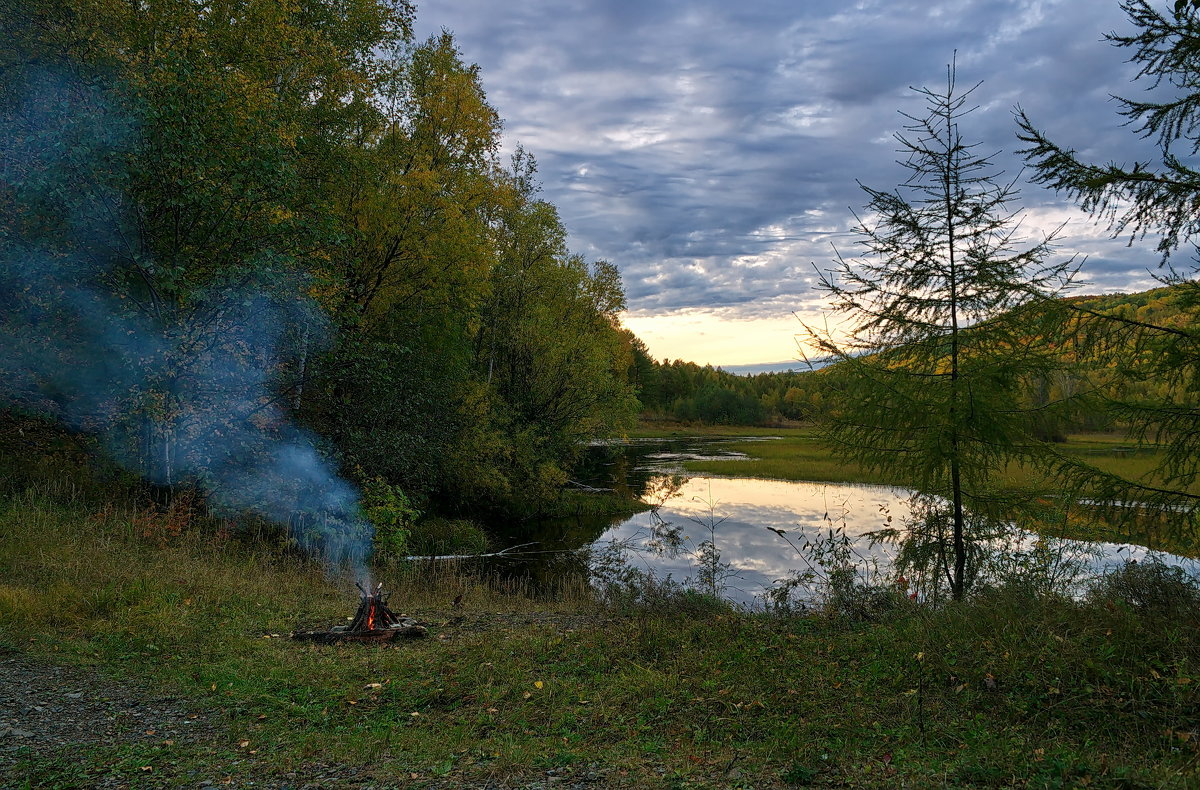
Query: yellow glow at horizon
[[708, 338]]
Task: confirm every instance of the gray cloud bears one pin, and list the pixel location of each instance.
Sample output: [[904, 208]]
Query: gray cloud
[[711, 149]]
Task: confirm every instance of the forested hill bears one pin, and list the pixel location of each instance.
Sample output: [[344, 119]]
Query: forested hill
[[687, 392], [1162, 306], [270, 247]]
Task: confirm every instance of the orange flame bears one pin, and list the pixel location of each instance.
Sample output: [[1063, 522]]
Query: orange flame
[[371, 617]]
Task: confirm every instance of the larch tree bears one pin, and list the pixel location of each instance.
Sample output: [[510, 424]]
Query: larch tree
[[1161, 199], [937, 327]]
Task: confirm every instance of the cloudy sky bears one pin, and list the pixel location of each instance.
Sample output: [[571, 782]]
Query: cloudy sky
[[711, 148]]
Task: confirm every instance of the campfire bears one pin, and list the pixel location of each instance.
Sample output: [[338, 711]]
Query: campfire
[[373, 622]]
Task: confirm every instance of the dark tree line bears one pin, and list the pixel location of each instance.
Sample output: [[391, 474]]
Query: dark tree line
[[687, 392]]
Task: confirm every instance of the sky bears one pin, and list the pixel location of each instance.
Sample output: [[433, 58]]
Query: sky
[[714, 150]]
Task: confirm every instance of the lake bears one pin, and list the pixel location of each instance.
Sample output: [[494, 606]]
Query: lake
[[742, 517]]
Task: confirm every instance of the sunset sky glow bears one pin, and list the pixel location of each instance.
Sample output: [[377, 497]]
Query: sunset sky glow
[[711, 149]]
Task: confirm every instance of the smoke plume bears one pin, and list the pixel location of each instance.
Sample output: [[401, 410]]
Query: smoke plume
[[183, 390]]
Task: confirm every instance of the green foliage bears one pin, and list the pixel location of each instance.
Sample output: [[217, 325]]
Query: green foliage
[[392, 515], [689, 392], [187, 166], [1150, 588], [1158, 356], [433, 536], [946, 317]]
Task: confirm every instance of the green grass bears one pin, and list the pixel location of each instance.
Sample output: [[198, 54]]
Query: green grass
[[799, 454], [1007, 690]]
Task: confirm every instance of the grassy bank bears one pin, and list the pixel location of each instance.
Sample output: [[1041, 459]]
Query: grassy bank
[[1006, 690], [798, 454]]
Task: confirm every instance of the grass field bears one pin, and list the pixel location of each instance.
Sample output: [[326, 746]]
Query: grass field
[[1007, 690], [798, 454]]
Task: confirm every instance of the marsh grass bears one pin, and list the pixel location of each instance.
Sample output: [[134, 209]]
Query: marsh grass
[[799, 454], [1006, 689]]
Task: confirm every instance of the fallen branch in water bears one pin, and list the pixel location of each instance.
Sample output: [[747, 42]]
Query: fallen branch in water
[[418, 557], [589, 489]]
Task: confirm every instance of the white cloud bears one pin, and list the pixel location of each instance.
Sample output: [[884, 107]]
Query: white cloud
[[711, 149]]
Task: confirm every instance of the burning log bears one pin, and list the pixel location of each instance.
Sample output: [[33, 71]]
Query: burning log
[[373, 622]]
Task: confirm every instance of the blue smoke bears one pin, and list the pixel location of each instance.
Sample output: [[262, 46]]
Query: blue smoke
[[185, 393]]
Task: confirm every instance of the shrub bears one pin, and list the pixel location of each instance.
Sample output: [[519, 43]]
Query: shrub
[[1150, 587], [435, 536], [392, 514]]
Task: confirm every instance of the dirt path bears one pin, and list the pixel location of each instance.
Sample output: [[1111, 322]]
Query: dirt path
[[71, 727], [48, 713]]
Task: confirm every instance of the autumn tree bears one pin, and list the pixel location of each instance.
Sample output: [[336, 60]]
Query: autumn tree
[[939, 322], [549, 345]]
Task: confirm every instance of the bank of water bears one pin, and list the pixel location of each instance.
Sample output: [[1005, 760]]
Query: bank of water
[[765, 531]]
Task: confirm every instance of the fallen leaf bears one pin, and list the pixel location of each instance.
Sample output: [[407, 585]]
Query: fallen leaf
[[373, 686], [538, 684], [243, 744]]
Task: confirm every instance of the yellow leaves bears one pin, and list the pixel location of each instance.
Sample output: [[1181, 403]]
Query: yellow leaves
[[538, 685]]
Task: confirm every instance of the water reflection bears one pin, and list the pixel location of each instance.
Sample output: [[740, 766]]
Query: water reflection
[[756, 525], [746, 513]]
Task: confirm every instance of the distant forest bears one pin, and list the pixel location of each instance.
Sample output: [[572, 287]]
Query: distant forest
[[690, 393]]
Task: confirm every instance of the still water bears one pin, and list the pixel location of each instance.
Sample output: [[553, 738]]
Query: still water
[[742, 517]]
